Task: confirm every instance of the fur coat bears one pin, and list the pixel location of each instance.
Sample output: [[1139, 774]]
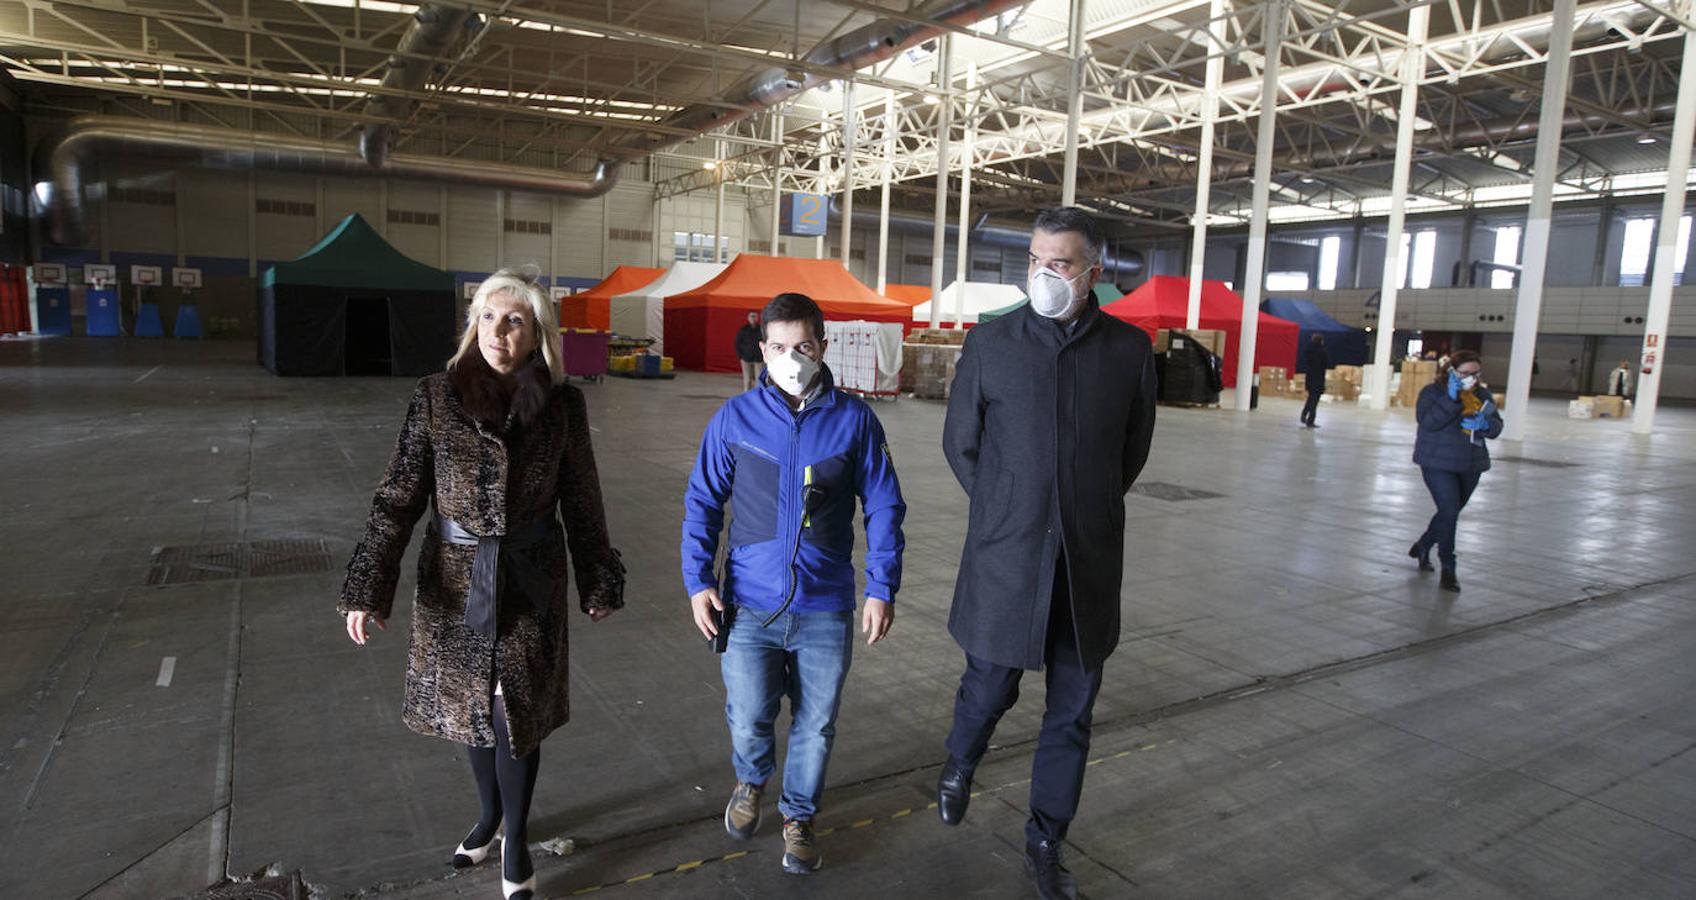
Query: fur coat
[[491, 479]]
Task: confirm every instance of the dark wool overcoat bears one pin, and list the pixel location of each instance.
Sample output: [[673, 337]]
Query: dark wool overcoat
[[491, 481], [1047, 428]]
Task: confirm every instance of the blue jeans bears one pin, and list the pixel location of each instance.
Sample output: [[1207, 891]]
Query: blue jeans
[[1450, 491], [805, 657]]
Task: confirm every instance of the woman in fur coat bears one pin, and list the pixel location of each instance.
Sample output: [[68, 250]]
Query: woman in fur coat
[[490, 449]]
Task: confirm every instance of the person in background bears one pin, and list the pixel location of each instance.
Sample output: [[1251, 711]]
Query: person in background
[[748, 351], [1049, 423], [1619, 380], [1569, 382], [791, 459], [1456, 415], [1315, 362]]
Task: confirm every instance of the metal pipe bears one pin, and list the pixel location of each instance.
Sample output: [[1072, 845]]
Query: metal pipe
[[69, 155], [864, 46], [1204, 165], [963, 252], [1075, 104], [434, 28], [1254, 278], [776, 179], [1653, 359], [1538, 221], [883, 206], [1413, 67], [848, 135], [939, 227]]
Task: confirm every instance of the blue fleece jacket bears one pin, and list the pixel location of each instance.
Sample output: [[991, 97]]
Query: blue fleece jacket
[[758, 455]]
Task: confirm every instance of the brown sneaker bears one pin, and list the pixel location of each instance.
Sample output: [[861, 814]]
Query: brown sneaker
[[742, 813], [800, 857]]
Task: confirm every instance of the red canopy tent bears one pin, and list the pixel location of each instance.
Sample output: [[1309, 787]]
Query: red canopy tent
[[700, 325], [590, 309], [1163, 302]]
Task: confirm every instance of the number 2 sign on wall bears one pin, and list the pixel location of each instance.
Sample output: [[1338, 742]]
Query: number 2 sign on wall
[[803, 215]]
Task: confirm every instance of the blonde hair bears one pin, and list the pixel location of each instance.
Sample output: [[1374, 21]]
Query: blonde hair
[[519, 283]]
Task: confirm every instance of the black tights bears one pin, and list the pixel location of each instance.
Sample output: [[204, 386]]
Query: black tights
[[504, 786]]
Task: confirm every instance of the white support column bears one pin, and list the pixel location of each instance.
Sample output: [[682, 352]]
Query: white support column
[[849, 135], [963, 251], [776, 178], [1204, 171], [718, 202], [1075, 107], [1529, 309], [821, 187], [1413, 66], [939, 228], [1254, 280], [883, 206], [1654, 356]]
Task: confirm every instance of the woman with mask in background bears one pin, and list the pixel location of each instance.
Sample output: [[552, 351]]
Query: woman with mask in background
[[1456, 415]]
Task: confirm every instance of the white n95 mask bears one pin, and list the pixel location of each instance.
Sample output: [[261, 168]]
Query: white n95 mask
[[1050, 293], [792, 372]]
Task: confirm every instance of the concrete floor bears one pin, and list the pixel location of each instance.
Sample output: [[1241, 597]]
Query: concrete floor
[[1293, 712]]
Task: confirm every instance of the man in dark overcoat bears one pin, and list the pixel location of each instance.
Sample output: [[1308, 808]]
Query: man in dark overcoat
[[1049, 420]]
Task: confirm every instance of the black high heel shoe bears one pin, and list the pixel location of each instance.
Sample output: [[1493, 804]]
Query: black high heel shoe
[[465, 857]]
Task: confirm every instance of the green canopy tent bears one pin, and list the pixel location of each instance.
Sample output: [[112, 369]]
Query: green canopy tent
[[1105, 291], [354, 305]]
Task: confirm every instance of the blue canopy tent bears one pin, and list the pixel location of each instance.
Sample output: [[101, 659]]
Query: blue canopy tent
[[1346, 345]]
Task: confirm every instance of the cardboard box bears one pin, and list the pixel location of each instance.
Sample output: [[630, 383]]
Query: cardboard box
[[928, 369], [941, 336], [1608, 407], [1582, 408]]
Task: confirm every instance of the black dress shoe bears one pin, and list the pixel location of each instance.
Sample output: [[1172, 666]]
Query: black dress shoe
[[1053, 881], [1449, 582], [953, 792], [1423, 554]]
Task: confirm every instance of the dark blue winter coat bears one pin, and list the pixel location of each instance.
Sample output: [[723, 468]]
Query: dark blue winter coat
[[1441, 442], [758, 456]]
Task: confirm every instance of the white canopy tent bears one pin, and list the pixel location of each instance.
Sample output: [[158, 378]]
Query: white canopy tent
[[980, 297], [641, 313]]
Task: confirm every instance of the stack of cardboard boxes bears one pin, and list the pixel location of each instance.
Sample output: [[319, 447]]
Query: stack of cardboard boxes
[[927, 361], [1343, 383], [1274, 381], [1416, 374], [1603, 407]]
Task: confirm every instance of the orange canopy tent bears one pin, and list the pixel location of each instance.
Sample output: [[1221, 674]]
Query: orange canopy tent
[[1163, 302], [909, 294], [590, 308], [700, 325]]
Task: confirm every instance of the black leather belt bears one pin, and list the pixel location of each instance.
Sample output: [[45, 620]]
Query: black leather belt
[[522, 579]]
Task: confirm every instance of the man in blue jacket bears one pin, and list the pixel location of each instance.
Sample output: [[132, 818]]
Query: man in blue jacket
[[791, 457]]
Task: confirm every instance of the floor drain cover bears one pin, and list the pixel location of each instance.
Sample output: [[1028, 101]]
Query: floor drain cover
[[190, 563], [1177, 493], [1543, 463], [275, 887]]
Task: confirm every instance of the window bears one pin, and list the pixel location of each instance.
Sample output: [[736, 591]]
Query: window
[[1329, 250], [1634, 255], [680, 245], [1507, 254], [1286, 281], [1424, 259], [1639, 246]]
